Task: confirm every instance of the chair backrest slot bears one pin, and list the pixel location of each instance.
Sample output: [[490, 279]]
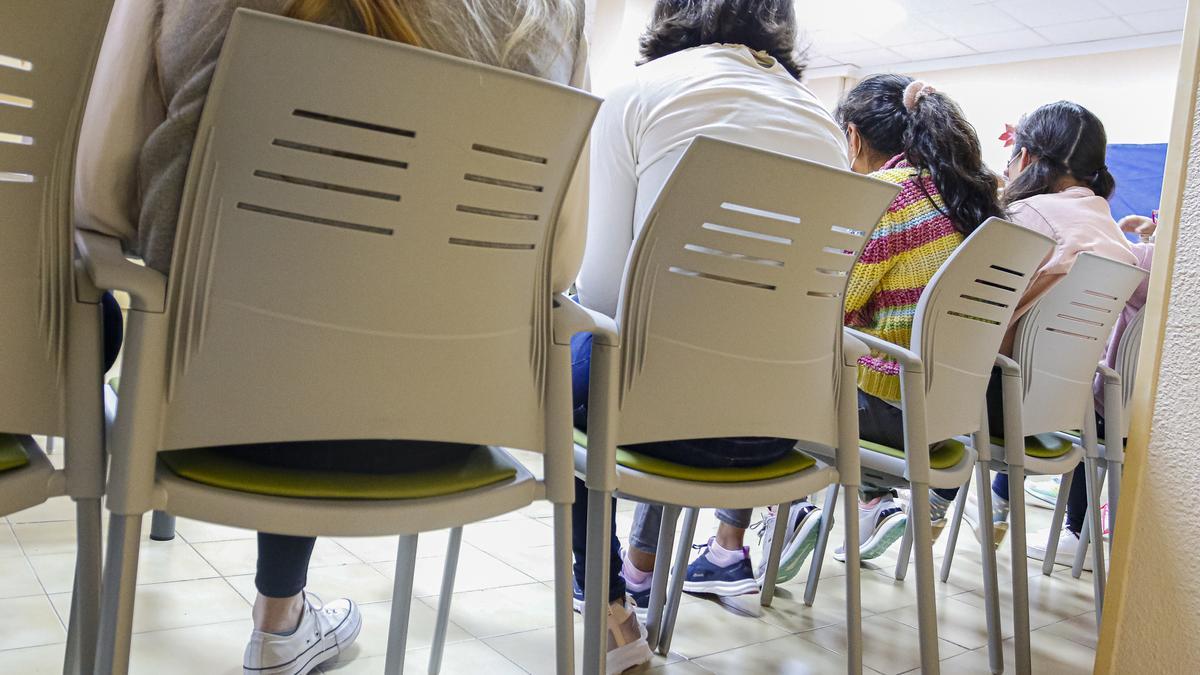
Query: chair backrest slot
[[748, 234], [358, 124], [511, 154], [321, 185], [761, 213], [457, 241], [500, 182], [342, 154], [317, 220], [496, 213]]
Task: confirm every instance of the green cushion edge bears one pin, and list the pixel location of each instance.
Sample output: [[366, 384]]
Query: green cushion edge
[[942, 456], [1042, 446], [791, 463], [484, 466], [12, 453]]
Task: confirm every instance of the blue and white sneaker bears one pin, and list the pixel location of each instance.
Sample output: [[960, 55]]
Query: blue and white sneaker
[[804, 528], [707, 578], [878, 528], [640, 600]]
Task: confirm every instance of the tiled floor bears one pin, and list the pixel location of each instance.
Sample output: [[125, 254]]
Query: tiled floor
[[193, 606]]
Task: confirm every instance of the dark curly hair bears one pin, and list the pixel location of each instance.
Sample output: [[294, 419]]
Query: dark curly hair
[[933, 136], [762, 25]]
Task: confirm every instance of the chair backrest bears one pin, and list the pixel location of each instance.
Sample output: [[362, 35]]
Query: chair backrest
[[48, 50], [364, 244], [1062, 337], [962, 316], [1127, 362], [731, 306]]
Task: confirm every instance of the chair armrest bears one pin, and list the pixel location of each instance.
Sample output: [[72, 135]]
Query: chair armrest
[[853, 348], [1110, 376], [908, 360], [571, 317], [1007, 366], [109, 269]]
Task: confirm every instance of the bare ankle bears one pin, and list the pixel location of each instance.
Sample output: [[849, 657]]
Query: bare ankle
[[277, 615], [642, 560], [730, 538]]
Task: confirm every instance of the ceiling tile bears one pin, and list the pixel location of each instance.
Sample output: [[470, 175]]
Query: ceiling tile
[[871, 57], [822, 62], [939, 49], [1000, 42], [837, 41], [1048, 12], [908, 31], [1156, 22], [1086, 31], [1131, 6], [972, 20]]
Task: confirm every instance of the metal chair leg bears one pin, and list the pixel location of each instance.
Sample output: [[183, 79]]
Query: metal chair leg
[[662, 570], [1056, 522], [919, 523], [1020, 569], [162, 526], [960, 506], [1114, 492], [1085, 535], [679, 571], [85, 599], [1098, 574], [443, 614], [595, 609], [771, 574], [991, 590], [116, 604], [564, 611], [406, 567], [854, 638], [814, 570], [906, 544]]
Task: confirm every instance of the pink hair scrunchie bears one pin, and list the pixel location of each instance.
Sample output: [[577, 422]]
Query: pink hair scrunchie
[[914, 92]]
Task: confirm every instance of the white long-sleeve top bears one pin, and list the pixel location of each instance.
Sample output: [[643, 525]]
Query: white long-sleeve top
[[724, 91]]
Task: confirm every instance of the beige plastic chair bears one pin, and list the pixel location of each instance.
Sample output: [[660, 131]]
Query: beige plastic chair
[[730, 325], [50, 347], [959, 323], [1047, 386], [1118, 391], [364, 252]]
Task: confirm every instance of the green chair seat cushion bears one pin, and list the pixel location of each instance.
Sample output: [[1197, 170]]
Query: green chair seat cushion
[[789, 464], [483, 466], [1042, 446], [12, 453], [941, 456]]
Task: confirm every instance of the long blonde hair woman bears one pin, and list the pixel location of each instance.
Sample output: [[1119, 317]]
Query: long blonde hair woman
[[151, 83]]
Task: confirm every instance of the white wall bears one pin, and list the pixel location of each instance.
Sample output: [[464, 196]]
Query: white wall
[[1132, 93]]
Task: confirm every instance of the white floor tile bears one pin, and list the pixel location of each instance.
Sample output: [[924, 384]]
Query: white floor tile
[[28, 622], [17, 579]]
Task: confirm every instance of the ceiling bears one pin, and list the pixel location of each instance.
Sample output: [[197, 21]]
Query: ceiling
[[926, 34]]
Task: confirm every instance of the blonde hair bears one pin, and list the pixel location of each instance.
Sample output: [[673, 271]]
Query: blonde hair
[[378, 18]]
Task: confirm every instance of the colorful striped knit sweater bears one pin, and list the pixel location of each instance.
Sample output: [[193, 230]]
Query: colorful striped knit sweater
[[911, 242]]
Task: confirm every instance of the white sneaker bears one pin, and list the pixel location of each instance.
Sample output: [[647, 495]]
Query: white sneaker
[[804, 527], [325, 632], [627, 646], [1068, 543], [999, 518], [878, 528]]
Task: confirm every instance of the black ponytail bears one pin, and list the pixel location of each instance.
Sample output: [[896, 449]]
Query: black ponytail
[[933, 136], [1065, 140]]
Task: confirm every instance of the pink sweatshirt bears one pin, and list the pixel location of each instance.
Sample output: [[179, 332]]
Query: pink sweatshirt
[[1079, 222]]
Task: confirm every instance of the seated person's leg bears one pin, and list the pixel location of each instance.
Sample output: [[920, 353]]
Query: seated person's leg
[[285, 619], [626, 637], [881, 519]]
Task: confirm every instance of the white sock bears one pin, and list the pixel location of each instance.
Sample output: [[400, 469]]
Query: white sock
[[635, 579], [723, 557]]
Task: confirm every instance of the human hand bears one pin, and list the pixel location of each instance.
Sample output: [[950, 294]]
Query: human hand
[[1140, 225]]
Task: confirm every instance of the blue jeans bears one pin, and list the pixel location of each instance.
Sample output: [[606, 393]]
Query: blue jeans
[[706, 453]]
